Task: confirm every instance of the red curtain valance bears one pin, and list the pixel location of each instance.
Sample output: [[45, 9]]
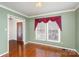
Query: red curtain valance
[[45, 20]]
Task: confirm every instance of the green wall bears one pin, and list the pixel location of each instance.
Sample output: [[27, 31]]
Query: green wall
[[77, 29], [3, 27], [67, 34]]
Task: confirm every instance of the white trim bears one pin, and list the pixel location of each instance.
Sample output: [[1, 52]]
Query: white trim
[[24, 31], [8, 32], [45, 33], [2, 6], [8, 15], [16, 17], [74, 9], [47, 39], [53, 40], [76, 51], [58, 12], [3, 54], [23, 21], [26, 43], [52, 45]]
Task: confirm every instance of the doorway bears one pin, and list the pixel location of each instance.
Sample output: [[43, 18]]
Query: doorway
[[20, 30], [16, 31]]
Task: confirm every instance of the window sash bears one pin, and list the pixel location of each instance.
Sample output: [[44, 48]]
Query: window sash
[[47, 34], [54, 28]]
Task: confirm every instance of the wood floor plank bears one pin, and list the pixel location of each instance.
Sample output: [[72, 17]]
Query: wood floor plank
[[18, 49]]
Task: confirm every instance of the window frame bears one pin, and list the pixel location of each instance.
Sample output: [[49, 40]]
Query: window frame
[[36, 34], [47, 39]]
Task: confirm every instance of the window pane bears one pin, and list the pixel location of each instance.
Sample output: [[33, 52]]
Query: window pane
[[41, 31], [53, 35], [53, 31]]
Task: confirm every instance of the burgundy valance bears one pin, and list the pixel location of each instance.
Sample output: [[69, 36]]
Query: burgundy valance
[[45, 20]]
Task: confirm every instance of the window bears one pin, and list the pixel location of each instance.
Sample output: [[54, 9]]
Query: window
[[41, 31], [53, 32], [48, 32]]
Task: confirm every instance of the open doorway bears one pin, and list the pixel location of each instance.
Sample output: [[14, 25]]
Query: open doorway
[[16, 32]]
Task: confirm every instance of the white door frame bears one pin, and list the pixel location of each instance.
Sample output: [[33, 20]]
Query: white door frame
[[21, 19]]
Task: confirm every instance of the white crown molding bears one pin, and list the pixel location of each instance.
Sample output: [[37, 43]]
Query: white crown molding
[[76, 7], [62, 11], [52, 13], [2, 6]]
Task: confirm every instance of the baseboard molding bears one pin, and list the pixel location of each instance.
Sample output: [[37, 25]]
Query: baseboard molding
[[54, 46], [3, 54], [46, 45], [26, 43], [77, 51], [8, 51]]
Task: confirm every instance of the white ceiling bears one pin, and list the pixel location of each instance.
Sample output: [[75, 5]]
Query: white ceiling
[[29, 8]]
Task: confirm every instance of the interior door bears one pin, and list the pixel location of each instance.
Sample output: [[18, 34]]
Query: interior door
[[19, 31]]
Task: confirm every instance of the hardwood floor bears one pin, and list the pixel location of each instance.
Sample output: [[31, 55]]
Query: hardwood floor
[[18, 49]]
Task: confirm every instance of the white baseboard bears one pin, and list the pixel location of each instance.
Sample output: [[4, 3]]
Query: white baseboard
[[26, 43], [77, 51], [46, 45], [8, 51], [54, 46], [3, 54]]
